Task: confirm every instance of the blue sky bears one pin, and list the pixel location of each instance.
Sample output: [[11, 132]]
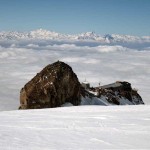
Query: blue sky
[[75, 16]]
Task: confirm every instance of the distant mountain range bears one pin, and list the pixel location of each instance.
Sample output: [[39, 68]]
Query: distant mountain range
[[88, 36]]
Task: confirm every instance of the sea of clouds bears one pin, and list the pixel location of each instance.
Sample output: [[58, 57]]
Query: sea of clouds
[[21, 60]]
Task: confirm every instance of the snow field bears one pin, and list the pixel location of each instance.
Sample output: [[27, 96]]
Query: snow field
[[81, 127]]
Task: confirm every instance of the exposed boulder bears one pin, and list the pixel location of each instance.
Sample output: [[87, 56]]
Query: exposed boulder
[[55, 85]]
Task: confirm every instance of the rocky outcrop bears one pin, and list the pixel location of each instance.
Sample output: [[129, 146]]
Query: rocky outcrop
[[55, 85], [118, 93]]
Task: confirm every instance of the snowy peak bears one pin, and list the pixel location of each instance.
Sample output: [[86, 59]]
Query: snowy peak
[[88, 36], [125, 38], [92, 36], [13, 35], [35, 34], [45, 34], [108, 36]]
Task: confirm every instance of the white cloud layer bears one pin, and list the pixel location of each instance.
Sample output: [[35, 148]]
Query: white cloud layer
[[21, 60]]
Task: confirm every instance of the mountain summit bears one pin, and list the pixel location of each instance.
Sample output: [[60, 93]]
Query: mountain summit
[[57, 85], [87, 36]]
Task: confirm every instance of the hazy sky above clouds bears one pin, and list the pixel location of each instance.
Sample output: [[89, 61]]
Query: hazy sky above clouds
[[75, 16]]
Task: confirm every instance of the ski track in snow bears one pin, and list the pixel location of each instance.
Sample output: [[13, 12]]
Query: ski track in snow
[[81, 127]]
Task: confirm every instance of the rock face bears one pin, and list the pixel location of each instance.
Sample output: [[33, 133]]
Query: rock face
[[118, 93], [55, 85]]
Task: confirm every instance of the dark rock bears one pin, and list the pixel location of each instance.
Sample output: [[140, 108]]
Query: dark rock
[[57, 84], [52, 87], [118, 93]]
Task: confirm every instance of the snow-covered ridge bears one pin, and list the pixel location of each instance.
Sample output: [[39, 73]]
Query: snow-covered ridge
[[92, 36]]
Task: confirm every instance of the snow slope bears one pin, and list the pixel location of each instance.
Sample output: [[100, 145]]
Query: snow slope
[[72, 128]]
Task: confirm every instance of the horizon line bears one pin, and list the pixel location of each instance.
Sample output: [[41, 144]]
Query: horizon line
[[36, 29]]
